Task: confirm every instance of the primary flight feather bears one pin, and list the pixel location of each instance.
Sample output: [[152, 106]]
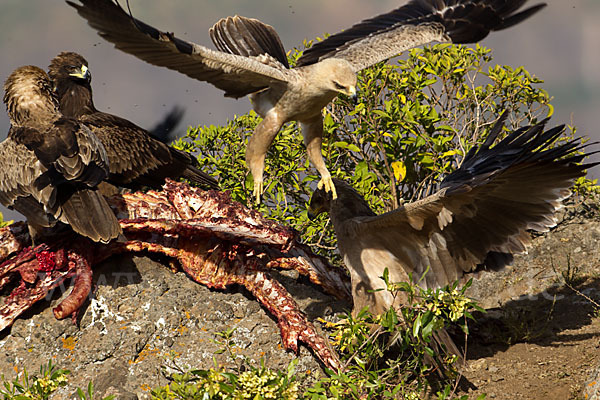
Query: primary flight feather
[[252, 61], [478, 219]]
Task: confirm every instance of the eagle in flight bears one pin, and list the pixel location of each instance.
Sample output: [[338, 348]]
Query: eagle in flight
[[251, 60], [478, 218]]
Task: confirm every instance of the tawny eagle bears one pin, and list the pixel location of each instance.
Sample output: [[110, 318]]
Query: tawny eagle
[[50, 165], [478, 218], [135, 158], [252, 61]]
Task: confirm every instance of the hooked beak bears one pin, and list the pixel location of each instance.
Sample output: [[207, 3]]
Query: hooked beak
[[315, 209], [353, 95], [84, 74]]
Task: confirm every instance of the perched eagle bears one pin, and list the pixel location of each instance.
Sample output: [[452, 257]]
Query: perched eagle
[[135, 158], [478, 218], [50, 165], [251, 60]]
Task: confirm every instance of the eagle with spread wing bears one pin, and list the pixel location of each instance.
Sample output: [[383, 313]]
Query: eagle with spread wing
[[50, 165], [478, 218], [252, 61], [135, 158]]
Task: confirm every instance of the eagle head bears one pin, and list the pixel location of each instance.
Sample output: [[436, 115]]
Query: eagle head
[[28, 94], [69, 66]]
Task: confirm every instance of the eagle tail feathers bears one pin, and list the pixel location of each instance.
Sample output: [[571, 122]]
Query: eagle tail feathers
[[191, 170], [88, 213], [247, 37]]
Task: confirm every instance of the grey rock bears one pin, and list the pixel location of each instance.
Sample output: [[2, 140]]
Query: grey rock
[[142, 320], [591, 389], [537, 274]]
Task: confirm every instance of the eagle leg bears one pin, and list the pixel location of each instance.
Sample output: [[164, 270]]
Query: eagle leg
[[326, 183], [313, 137], [259, 143]]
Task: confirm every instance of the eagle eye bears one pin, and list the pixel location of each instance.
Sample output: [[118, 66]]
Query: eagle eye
[[338, 86]]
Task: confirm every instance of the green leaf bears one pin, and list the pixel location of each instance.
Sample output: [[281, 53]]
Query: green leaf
[[353, 147], [417, 327]]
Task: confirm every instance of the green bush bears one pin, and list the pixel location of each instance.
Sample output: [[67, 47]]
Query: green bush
[[415, 120], [38, 387], [385, 357], [42, 386], [216, 384], [220, 384], [393, 356]]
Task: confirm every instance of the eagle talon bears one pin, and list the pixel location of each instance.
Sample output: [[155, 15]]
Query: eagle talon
[[326, 183], [258, 191]]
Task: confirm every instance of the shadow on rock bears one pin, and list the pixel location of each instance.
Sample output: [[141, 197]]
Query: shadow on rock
[[537, 319], [118, 271]]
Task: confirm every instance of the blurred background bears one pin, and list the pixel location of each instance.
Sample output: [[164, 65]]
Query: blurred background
[[560, 45]]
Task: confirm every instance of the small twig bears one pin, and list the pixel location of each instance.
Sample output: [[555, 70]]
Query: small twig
[[585, 296]]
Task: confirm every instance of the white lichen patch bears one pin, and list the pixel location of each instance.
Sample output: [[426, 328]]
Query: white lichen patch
[[30, 326], [101, 312], [161, 323]]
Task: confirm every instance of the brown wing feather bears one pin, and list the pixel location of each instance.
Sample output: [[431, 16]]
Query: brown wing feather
[[19, 170], [234, 74], [68, 148], [460, 21], [87, 213], [247, 37], [31, 189], [136, 159], [129, 149], [453, 231]]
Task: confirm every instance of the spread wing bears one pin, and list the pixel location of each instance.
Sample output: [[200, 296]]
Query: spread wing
[[236, 75], [486, 206], [248, 37], [416, 23]]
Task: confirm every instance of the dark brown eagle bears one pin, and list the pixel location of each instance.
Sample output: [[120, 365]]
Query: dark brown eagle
[[478, 218], [135, 158], [251, 60], [50, 165]]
